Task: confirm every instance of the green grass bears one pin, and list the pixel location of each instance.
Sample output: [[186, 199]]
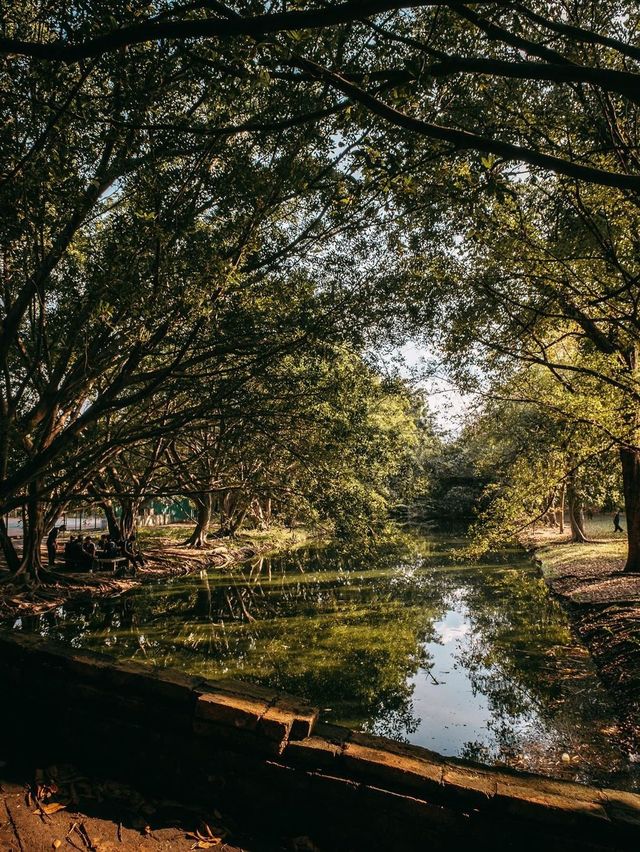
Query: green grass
[[274, 538], [556, 557]]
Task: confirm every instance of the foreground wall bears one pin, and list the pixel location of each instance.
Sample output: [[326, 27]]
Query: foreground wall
[[266, 757]]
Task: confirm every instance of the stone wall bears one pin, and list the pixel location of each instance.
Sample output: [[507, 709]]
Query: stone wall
[[266, 756]]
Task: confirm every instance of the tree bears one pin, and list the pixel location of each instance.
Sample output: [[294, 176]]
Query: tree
[[454, 74], [134, 277], [535, 460], [545, 278]]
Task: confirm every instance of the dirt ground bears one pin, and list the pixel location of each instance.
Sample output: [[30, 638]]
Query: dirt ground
[[603, 604], [61, 808]]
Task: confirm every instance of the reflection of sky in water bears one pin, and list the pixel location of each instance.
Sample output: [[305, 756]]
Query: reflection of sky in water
[[451, 710], [443, 697]]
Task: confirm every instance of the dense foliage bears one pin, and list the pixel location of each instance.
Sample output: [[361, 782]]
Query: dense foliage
[[211, 214]]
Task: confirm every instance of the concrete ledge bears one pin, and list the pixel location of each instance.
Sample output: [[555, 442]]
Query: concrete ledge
[[259, 745]]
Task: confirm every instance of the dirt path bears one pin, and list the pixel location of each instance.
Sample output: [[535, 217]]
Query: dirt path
[[603, 604], [25, 826]]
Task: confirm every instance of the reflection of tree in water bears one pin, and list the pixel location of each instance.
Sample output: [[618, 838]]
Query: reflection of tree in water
[[539, 685], [348, 630], [345, 629]]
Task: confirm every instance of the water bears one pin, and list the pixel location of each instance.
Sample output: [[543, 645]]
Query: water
[[403, 640]]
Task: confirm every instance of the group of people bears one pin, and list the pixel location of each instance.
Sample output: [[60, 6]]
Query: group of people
[[82, 552]]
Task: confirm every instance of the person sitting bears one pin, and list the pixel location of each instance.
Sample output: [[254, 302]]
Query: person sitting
[[129, 549], [73, 553], [111, 550], [68, 549], [89, 552]]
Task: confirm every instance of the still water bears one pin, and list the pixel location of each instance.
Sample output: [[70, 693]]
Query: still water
[[403, 640]]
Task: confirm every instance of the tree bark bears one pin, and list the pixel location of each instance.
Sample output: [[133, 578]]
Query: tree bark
[[630, 459], [8, 548], [231, 523], [128, 517], [33, 532], [204, 508], [576, 511], [112, 519], [562, 496]]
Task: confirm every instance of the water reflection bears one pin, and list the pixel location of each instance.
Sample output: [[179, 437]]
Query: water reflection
[[402, 640]]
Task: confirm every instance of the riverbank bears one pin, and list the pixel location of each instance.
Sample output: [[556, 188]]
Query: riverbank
[[603, 605], [165, 556]]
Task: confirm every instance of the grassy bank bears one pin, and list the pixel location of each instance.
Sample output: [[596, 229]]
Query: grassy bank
[[603, 605], [560, 557]]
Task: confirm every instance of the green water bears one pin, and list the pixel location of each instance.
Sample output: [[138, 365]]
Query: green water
[[468, 659]]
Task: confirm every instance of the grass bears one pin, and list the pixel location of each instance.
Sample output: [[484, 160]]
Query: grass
[[274, 538], [556, 553]]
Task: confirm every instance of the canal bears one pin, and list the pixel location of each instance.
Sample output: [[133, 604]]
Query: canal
[[404, 639]]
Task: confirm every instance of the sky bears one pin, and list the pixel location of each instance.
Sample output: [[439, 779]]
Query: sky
[[445, 400]]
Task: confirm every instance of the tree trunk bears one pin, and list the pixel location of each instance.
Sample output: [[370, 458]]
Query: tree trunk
[[33, 532], [198, 537], [576, 511], [631, 484], [112, 519], [562, 496], [550, 516], [232, 524], [236, 521], [128, 517]]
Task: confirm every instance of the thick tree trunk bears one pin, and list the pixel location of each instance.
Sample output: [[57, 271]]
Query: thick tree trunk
[[128, 517], [33, 531], [631, 484], [576, 511], [198, 537], [112, 520]]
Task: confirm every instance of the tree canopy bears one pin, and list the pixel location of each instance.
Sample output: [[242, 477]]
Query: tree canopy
[[212, 213]]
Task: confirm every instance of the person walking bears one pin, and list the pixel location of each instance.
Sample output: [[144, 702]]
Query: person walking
[[616, 522]]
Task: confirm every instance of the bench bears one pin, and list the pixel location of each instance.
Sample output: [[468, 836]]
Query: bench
[[98, 563], [110, 562]]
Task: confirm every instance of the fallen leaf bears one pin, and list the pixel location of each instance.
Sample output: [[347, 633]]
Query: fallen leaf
[[52, 807], [57, 844]]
